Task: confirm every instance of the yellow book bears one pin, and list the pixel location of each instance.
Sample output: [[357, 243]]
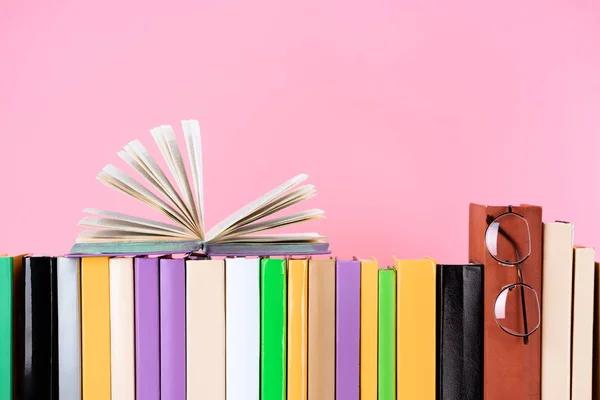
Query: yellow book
[[95, 328], [416, 329], [369, 279], [297, 329]]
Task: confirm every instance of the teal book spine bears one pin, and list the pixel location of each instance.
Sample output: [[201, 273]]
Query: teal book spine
[[387, 335], [6, 278], [273, 341]]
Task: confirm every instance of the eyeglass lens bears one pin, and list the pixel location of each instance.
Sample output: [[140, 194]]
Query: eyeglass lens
[[507, 238], [508, 309]]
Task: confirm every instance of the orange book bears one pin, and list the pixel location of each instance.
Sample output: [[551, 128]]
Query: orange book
[[369, 282], [297, 329]]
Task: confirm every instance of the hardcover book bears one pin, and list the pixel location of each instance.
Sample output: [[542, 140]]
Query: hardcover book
[[297, 329], [6, 340], [386, 344], [369, 279], [183, 229]]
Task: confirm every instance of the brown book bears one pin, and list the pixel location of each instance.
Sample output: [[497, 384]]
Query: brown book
[[512, 369]]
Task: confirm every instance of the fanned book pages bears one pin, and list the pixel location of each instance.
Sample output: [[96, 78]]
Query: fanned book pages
[[182, 202]]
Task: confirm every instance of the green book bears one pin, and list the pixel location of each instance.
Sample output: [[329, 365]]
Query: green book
[[273, 339], [386, 378], [6, 277]]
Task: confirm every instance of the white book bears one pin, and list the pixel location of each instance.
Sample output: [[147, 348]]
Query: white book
[[122, 346], [205, 329], [69, 328], [556, 310], [242, 328], [583, 323]]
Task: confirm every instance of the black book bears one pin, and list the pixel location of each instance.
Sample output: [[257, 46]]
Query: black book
[[460, 332], [40, 366]]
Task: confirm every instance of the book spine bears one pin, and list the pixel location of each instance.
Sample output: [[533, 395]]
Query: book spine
[[242, 328], [297, 329], [368, 329], [40, 379], [583, 323], [172, 329], [321, 329], [18, 326], [347, 321], [69, 328], [147, 329], [557, 310], [205, 316], [386, 362], [95, 327], [273, 342], [416, 329], [6, 343], [122, 357]]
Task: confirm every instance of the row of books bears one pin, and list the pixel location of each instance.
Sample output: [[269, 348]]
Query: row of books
[[237, 328]]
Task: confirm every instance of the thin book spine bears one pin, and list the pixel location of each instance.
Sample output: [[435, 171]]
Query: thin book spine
[[347, 330], [172, 329], [273, 342], [205, 324], [69, 328], [297, 329], [6, 341], [147, 328], [386, 360], [368, 329]]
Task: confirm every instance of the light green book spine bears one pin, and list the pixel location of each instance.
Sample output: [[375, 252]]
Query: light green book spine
[[6, 277], [273, 339], [386, 378]]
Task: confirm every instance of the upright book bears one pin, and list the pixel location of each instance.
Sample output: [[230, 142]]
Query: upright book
[[242, 335], [386, 343], [18, 325], [321, 329], [369, 280], [147, 328], [40, 374], [172, 329], [122, 336], [238, 234], [416, 346], [347, 330], [95, 328], [6, 340], [205, 324], [69, 327], [297, 331], [273, 332], [460, 332]]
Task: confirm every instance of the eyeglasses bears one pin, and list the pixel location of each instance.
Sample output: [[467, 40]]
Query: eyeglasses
[[517, 306]]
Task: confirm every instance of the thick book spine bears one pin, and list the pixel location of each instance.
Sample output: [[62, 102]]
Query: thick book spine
[[242, 277], [368, 329], [69, 328], [40, 379], [6, 342], [273, 341], [321, 329], [122, 348], [583, 323], [18, 326], [416, 329], [557, 310], [95, 328], [147, 329], [297, 329], [205, 315], [172, 329], [460, 332], [347, 319], [386, 360]]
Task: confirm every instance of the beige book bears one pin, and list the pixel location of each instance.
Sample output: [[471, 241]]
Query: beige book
[[583, 323], [321, 329], [122, 335], [556, 310], [205, 329]]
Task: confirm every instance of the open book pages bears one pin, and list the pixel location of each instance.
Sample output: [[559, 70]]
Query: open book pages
[[183, 204]]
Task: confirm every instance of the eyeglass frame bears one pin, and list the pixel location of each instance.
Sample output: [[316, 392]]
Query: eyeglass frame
[[520, 282]]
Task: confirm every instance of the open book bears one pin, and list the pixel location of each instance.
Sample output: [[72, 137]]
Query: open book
[[239, 234]]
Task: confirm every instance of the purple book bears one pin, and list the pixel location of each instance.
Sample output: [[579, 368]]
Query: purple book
[[147, 334], [347, 328], [172, 329]]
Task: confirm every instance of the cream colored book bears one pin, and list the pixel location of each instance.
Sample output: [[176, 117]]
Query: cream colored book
[[122, 335], [556, 310], [583, 323], [180, 202]]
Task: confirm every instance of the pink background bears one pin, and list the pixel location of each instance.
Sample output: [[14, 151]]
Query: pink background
[[401, 113]]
